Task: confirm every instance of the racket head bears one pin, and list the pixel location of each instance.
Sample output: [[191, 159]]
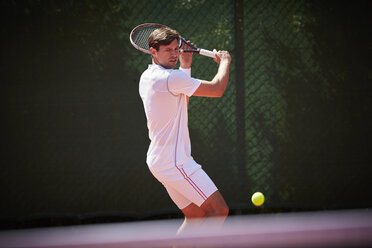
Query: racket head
[[139, 38], [139, 35]]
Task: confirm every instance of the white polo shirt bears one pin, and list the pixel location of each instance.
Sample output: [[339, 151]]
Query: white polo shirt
[[163, 92]]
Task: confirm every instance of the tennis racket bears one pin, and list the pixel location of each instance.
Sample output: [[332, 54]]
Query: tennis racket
[[140, 34]]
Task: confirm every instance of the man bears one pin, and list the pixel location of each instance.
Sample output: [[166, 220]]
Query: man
[[165, 92]]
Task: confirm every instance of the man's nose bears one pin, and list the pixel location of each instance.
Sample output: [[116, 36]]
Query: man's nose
[[174, 52]]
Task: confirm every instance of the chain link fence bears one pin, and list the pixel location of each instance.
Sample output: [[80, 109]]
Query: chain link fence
[[294, 122]]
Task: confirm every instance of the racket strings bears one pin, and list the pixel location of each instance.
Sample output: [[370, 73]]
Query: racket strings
[[140, 38]]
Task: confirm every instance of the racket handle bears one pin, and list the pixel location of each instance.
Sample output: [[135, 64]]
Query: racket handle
[[206, 53]]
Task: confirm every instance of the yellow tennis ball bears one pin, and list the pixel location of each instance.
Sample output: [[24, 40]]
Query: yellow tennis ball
[[258, 199]]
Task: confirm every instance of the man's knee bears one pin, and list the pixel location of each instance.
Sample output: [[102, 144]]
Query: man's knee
[[219, 211], [192, 211], [215, 206], [197, 214], [225, 211]]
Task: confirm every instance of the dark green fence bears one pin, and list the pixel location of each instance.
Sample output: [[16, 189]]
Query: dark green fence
[[294, 122]]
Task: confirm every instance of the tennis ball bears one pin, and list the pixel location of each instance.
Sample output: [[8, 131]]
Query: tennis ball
[[258, 199]]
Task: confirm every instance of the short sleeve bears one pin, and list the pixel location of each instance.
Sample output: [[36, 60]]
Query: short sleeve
[[181, 83]]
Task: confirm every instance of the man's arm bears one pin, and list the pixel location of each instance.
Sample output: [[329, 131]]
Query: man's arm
[[185, 62], [217, 86]]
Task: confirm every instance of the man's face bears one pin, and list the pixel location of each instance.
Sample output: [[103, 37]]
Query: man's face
[[167, 56]]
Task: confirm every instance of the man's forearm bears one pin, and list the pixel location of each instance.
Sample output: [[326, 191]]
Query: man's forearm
[[222, 76]]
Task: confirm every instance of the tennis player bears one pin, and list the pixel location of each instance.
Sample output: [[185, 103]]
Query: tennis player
[[165, 92]]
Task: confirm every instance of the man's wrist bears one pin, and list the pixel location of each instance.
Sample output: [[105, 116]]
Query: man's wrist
[[185, 66]]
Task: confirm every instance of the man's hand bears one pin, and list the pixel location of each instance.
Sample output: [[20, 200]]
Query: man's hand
[[221, 56], [185, 58]]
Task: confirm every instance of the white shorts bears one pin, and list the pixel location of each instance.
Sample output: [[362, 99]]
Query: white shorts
[[186, 184]]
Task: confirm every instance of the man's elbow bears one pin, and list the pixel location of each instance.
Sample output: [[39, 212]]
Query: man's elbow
[[220, 91], [217, 93]]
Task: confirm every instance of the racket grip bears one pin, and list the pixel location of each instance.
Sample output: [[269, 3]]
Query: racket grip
[[206, 53]]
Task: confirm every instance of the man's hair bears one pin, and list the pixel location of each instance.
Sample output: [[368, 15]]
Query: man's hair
[[162, 36]]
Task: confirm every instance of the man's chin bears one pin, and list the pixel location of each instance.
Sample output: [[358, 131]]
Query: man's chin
[[170, 66]]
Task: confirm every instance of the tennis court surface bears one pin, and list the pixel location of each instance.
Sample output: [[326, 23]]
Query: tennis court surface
[[347, 228]]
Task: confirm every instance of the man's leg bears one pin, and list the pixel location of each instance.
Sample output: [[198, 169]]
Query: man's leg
[[215, 206], [194, 217], [194, 193]]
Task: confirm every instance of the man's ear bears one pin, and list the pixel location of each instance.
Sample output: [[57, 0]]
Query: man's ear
[[153, 51]]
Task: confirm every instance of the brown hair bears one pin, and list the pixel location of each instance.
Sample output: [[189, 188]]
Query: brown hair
[[162, 36]]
